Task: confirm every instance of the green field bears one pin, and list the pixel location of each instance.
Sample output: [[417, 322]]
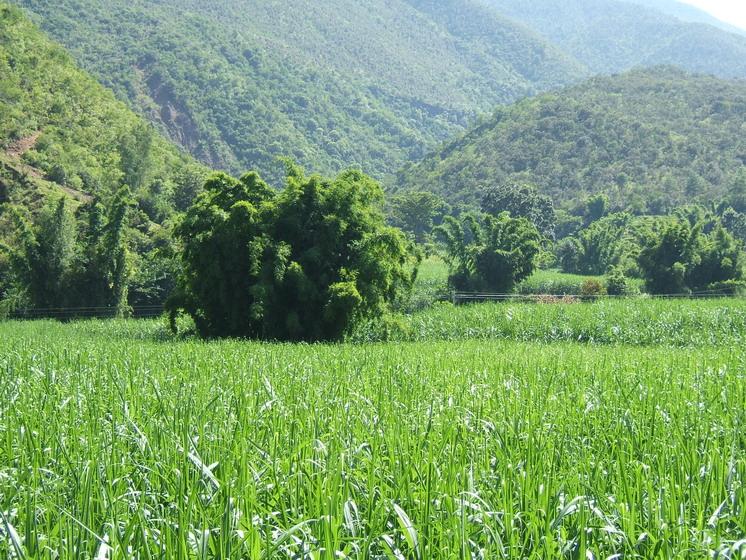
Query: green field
[[118, 440]]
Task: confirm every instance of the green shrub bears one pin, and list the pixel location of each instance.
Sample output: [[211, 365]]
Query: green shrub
[[592, 288], [617, 283], [490, 253], [305, 264]]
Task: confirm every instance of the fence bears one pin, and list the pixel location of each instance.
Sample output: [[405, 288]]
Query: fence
[[151, 311], [68, 313], [476, 297]]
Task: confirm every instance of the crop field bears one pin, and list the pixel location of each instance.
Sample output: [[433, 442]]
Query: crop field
[[119, 440]]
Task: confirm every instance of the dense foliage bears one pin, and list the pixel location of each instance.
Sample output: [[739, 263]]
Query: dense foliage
[[651, 140], [331, 84], [340, 83], [685, 259], [489, 253], [54, 267], [417, 213], [612, 241], [62, 132], [304, 264], [521, 201], [62, 135]]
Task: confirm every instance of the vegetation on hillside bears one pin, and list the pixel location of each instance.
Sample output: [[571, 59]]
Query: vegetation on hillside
[[330, 84], [61, 129], [616, 35], [67, 149], [345, 83], [650, 139]]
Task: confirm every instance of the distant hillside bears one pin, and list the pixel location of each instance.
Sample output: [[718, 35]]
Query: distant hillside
[[687, 12], [650, 139], [61, 132], [375, 84], [330, 84], [616, 35]]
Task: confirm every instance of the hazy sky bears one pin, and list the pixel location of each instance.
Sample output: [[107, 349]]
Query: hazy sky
[[732, 11]]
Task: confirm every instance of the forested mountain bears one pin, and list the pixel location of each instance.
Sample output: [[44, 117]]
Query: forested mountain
[[330, 84], [62, 132], [377, 84], [611, 35], [650, 139]]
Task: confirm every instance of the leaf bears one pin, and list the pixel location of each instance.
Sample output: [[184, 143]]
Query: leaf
[[410, 533]]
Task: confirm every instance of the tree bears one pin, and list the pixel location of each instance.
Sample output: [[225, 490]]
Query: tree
[[522, 201], [683, 259], [735, 223], [304, 264], [113, 254], [103, 269], [569, 254], [490, 253], [596, 207], [737, 191], [187, 185], [135, 153], [42, 256], [613, 241], [418, 212], [226, 255]]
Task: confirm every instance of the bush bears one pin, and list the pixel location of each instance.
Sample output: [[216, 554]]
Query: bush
[[306, 264], [592, 289], [684, 259], [617, 283], [57, 174], [489, 253]]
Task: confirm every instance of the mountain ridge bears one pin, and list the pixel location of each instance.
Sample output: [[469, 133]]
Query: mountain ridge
[[330, 85], [650, 139]]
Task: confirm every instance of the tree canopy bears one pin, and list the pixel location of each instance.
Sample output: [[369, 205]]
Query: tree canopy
[[521, 201], [685, 259], [489, 253], [650, 140], [303, 264]]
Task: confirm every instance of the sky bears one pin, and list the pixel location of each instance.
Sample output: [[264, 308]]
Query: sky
[[730, 11]]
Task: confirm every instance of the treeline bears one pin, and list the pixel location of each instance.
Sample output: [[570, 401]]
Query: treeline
[[311, 261], [694, 249], [67, 263]]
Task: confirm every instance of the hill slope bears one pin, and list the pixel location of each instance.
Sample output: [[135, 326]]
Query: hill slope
[[240, 82], [650, 139], [62, 132], [687, 12], [612, 36]]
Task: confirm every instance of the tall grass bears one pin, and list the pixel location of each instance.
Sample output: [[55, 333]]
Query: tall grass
[[116, 442], [619, 321]]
